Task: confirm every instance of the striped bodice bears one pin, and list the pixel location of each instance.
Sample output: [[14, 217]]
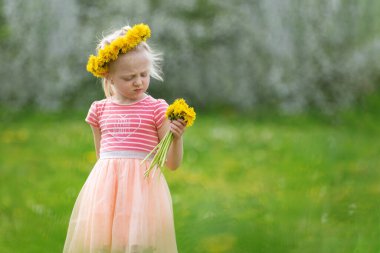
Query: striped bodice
[[128, 127]]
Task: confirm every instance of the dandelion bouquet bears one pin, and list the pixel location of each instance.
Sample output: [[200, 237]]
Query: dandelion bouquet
[[178, 110]]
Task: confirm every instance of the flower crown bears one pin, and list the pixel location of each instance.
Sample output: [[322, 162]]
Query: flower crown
[[98, 65]]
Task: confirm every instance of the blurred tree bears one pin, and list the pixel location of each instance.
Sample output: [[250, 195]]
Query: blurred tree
[[36, 66], [4, 31], [289, 54]]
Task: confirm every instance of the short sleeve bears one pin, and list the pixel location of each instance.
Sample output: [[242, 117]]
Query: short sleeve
[[159, 112], [92, 115]]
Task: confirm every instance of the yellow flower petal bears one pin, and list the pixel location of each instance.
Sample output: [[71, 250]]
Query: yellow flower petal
[[98, 65], [179, 109]]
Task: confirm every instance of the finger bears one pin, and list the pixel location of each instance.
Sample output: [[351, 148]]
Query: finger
[[183, 122], [178, 131], [174, 128], [175, 133], [180, 121], [178, 124]]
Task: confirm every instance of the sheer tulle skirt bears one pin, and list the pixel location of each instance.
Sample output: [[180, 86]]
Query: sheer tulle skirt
[[118, 210]]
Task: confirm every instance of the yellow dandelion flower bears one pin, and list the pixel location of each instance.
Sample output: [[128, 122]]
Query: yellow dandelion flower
[[181, 110], [177, 110], [98, 65]]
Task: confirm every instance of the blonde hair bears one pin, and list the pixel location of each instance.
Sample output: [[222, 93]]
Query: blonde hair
[[154, 57]]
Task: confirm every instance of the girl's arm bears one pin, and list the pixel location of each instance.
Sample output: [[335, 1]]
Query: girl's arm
[[175, 153], [96, 134]]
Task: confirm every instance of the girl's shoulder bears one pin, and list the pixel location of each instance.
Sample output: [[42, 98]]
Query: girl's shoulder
[[100, 102], [98, 106], [155, 102]]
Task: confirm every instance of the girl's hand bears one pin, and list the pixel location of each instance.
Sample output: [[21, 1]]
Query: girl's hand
[[177, 127]]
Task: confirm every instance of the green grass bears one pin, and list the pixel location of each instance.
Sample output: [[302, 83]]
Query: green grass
[[249, 183]]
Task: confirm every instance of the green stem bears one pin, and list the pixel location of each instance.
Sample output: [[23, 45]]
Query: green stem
[[150, 153], [161, 160], [160, 156], [166, 148]]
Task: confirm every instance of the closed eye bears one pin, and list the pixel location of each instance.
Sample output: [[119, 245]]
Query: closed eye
[[128, 78]]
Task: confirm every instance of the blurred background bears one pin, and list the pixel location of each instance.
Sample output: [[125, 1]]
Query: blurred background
[[284, 155]]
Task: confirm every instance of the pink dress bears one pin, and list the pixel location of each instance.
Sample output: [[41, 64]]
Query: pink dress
[[117, 209]]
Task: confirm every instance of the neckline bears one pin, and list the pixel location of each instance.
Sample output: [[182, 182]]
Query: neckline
[[133, 103]]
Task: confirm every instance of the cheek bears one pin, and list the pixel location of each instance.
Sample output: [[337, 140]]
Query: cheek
[[122, 84]]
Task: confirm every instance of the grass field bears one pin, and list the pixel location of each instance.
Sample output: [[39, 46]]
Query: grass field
[[249, 184]]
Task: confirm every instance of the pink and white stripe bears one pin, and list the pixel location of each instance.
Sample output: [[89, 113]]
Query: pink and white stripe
[[128, 127]]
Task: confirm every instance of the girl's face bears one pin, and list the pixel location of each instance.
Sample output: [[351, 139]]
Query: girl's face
[[129, 75]]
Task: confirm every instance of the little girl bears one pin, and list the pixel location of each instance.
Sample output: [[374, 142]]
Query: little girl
[[118, 209]]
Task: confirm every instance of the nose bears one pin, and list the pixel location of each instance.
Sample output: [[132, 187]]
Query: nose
[[137, 81]]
